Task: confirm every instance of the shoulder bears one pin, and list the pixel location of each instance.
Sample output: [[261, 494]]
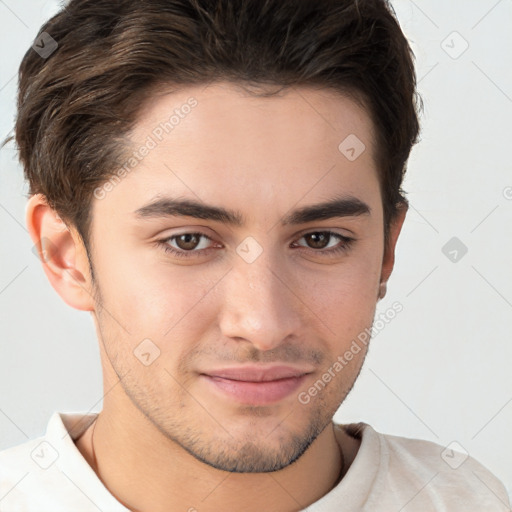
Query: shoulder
[[21, 457], [34, 455], [439, 474], [17, 467], [40, 474]]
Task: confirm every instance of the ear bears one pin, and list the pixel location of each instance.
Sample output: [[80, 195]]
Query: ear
[[61, 252], [388, 259]]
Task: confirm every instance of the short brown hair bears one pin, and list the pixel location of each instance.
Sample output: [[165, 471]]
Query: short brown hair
[[76, 106]]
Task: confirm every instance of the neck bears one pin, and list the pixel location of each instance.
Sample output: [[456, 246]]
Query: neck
[[123, 451]]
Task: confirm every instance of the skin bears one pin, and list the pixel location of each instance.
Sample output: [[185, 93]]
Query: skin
[[164, 439]]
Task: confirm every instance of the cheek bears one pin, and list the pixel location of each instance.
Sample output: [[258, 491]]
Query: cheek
[[145, 293], [345, 298]]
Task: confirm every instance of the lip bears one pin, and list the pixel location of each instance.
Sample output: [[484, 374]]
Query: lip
[[257, 385], [258, 373]]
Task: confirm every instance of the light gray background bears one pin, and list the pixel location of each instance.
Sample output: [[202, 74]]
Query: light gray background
[[441, 369]]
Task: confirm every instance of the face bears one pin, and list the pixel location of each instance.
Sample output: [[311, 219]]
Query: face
[[189, 294]]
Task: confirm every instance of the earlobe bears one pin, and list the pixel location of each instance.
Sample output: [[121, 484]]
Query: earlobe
[[388, 259], [61, 252], [382, 289]]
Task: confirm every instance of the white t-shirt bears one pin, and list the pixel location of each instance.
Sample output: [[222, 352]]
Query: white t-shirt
[[389, 473]]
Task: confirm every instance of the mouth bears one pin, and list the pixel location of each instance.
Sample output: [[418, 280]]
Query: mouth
[[256, 385]]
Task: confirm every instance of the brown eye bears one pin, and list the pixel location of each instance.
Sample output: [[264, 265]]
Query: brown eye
[[186, 245], [319, 240], [187, 241]]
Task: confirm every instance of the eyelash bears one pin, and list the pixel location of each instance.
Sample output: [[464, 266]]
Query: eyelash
[[345, 247]]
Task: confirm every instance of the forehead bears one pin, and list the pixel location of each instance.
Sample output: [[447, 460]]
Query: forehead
[[307, 117], [220, 141]]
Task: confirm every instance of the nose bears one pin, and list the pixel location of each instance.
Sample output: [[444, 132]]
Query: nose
[[261, 304]]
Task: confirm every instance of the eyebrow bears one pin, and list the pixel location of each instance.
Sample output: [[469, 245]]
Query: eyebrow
[[345, 206]]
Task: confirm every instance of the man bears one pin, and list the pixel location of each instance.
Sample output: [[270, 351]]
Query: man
[[218, 184]]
